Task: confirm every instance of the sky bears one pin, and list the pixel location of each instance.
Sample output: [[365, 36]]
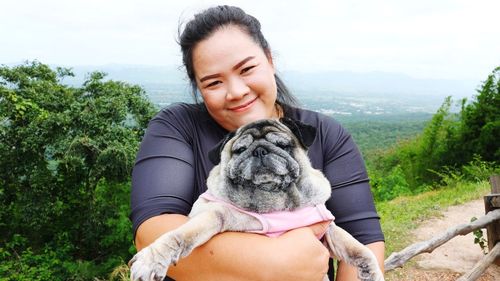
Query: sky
[[441, 39]]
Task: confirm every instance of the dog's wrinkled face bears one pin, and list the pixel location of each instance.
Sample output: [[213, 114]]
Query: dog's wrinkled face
[[263, 166], [262, 157]]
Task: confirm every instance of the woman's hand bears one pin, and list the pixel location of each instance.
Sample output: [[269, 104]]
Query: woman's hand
[[299, 255]]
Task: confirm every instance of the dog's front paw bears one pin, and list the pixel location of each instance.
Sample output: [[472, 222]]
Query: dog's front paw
[[369, 273], [152, 262], [148, 264]]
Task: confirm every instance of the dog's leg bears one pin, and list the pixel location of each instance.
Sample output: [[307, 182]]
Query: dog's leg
[[344, 247], [152, 262]]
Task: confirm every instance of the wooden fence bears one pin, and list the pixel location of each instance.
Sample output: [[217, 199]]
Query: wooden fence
[[490, 221]]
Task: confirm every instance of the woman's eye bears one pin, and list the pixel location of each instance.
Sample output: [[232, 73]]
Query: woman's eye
[[213, 84], [246, 69]]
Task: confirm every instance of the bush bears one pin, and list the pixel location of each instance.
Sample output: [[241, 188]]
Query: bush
[[21, 263], [475, 171], [390, 186], [448, 142], [67, 154]]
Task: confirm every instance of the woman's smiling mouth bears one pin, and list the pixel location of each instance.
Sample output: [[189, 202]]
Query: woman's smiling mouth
[[243, 107]]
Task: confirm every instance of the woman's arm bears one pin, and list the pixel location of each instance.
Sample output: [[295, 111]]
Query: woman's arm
[[347, 272], [295, 255]]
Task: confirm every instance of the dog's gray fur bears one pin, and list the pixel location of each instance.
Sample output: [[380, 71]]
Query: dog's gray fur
[[263, 168]]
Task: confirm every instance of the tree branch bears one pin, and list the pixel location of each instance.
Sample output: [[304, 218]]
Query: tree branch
[[397, 259]]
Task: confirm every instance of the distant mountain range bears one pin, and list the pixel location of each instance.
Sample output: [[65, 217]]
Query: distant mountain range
[[342, 82], [339, 93], [379, 83]]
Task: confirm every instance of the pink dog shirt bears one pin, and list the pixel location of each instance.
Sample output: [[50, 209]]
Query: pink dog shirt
[[276, 223]]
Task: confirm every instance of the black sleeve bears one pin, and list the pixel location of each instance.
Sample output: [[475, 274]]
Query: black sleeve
[[163, 175], [351, 201]]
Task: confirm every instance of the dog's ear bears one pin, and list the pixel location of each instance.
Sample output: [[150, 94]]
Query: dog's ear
[[214, 153], [304, 132]]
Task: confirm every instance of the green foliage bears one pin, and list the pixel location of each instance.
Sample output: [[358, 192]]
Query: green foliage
[[67, 154], [448, 142], [31, 266], [479, 238], [475, 171], [386, 132], [480, 127], [390, 186], [49, 264]]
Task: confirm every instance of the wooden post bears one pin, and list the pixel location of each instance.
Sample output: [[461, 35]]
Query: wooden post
[[482, 265], [492, 202]]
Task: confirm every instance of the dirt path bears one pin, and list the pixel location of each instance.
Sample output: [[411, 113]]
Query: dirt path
[[452, 259]]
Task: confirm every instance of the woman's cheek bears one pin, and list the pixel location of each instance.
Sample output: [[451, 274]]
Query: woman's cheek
[[256, 84], [262, 83], [214, 98]]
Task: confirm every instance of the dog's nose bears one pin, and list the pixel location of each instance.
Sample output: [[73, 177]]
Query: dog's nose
[[260, 152]]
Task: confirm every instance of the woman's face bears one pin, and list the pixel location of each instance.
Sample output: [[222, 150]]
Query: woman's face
[[235, 78]]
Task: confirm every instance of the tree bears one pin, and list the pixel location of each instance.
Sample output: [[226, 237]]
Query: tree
[[449, 141], [480, 130], [66, 156]]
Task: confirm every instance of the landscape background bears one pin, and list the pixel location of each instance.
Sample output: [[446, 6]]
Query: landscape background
[[79, 81], [69, 146], [371, 105]]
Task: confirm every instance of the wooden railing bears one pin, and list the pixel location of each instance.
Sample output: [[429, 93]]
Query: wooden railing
[[490, 221]]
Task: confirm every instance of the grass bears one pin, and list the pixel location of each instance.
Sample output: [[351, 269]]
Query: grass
[[403, 214]]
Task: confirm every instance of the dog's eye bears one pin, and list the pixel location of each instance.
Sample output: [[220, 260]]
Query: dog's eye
[[239, 150], [284, 146]]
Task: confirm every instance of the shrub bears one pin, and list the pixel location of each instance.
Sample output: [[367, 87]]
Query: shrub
[[390, 186], [67, 154]]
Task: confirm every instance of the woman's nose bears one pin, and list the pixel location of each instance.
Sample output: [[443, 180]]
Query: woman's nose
[[237, 88]]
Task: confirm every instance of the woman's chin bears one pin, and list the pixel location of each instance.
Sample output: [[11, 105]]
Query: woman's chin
[[234, 121], [250, 119]]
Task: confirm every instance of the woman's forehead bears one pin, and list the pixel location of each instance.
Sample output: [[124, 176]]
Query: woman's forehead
[[225, 48]]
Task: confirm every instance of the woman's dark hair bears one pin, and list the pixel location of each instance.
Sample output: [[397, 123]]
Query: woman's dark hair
[[210, 20]]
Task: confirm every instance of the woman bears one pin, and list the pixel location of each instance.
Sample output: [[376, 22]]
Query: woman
[[229, 63]]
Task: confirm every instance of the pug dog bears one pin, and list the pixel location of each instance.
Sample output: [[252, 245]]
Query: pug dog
[[263, 177]]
